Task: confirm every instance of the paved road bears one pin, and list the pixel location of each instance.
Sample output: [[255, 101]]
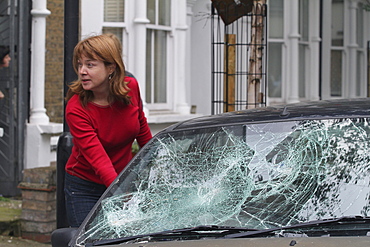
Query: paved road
[[6, 241]]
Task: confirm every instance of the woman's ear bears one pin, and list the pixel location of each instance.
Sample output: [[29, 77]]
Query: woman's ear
[[112, 68]]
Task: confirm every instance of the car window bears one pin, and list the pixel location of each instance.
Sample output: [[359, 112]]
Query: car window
[[257, 176]]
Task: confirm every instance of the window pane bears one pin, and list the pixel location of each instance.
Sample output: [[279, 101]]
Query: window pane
[[160, 66], [276, 20], [274, 69], [337, 23], [159, 12], [156, 67], [151, 11], [164, 12], [360, 25], [117, 31], [303, 19], [359, 73], [149, 62], [302, 71], [114, 10], [336, 73]]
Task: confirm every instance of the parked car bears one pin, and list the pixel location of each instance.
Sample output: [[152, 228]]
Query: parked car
[[276, 176]]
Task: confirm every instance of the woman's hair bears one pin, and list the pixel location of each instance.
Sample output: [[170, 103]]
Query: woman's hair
[[102, 48], [4, 50], [116, 41]]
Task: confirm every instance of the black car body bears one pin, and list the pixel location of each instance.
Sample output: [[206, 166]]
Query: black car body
[[297, 174]]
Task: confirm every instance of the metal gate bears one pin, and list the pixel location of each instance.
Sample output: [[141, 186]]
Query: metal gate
[[14, 83], [239, 47]]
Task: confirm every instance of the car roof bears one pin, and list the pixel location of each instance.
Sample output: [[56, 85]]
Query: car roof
[[323, 109]]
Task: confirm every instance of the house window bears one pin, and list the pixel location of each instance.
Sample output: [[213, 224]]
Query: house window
[[158, 30], [303, 51], [274, 69], [361, 51], [303, 45], [337, 51], [336, 69], [114, 18], [114, 10], [275, 45], [276, 20], [156, 54]]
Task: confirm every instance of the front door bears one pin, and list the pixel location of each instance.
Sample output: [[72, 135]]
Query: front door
[[14, 84]]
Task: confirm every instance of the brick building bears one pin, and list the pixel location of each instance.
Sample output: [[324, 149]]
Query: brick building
[[54, 62]]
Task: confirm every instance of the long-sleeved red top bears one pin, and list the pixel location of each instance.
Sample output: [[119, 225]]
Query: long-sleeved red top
[[103, 136]]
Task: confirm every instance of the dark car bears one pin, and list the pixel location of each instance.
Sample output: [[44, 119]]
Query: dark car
[[276, 176]]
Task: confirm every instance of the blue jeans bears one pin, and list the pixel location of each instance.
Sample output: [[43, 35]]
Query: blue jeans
[[81, 196]]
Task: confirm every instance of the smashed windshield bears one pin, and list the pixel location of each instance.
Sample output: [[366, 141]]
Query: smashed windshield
[[255, 176]]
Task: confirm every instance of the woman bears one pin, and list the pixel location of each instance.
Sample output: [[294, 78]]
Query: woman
[[104, 114], [4, 61], [4, 56]]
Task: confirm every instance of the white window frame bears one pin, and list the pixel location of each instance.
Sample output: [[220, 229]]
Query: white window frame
[[305, 59], [92, 23], [123, 26], [168, 104], [347, 83], [362, 52], [283, 43]]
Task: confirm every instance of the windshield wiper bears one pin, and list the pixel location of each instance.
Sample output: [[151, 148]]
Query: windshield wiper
[[227, 231], [338, 221], [193, 233]]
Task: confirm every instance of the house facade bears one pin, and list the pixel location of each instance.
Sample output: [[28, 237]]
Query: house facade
[[156, 40], [316, 50]]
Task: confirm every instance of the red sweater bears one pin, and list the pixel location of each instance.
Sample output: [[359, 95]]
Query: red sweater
[[103, 136]]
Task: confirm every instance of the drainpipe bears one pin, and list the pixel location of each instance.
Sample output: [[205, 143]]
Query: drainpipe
[[64, 146]]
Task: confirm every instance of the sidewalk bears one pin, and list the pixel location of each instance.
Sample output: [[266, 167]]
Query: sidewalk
[[6, 241]]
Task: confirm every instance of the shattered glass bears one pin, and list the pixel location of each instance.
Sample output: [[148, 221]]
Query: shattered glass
[[254, 176]]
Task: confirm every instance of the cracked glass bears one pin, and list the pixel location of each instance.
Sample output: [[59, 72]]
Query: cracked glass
[[255, 176]]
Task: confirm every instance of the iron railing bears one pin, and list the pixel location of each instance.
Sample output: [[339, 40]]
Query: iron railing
[[238, 58]]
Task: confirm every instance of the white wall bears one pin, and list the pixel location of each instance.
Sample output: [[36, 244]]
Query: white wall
[[200, 61], [91, 17]]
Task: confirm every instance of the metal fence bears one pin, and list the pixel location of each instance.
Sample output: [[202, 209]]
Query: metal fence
[[14, 83], [239, 47]]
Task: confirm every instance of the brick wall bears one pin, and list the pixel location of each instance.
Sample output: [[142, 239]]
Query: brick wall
[[54, 59]]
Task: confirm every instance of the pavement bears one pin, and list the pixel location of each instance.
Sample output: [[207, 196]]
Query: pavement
[[9, 241], [10, 212]]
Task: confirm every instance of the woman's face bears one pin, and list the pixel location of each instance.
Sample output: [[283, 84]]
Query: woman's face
[[93, 74], [6, 61]]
